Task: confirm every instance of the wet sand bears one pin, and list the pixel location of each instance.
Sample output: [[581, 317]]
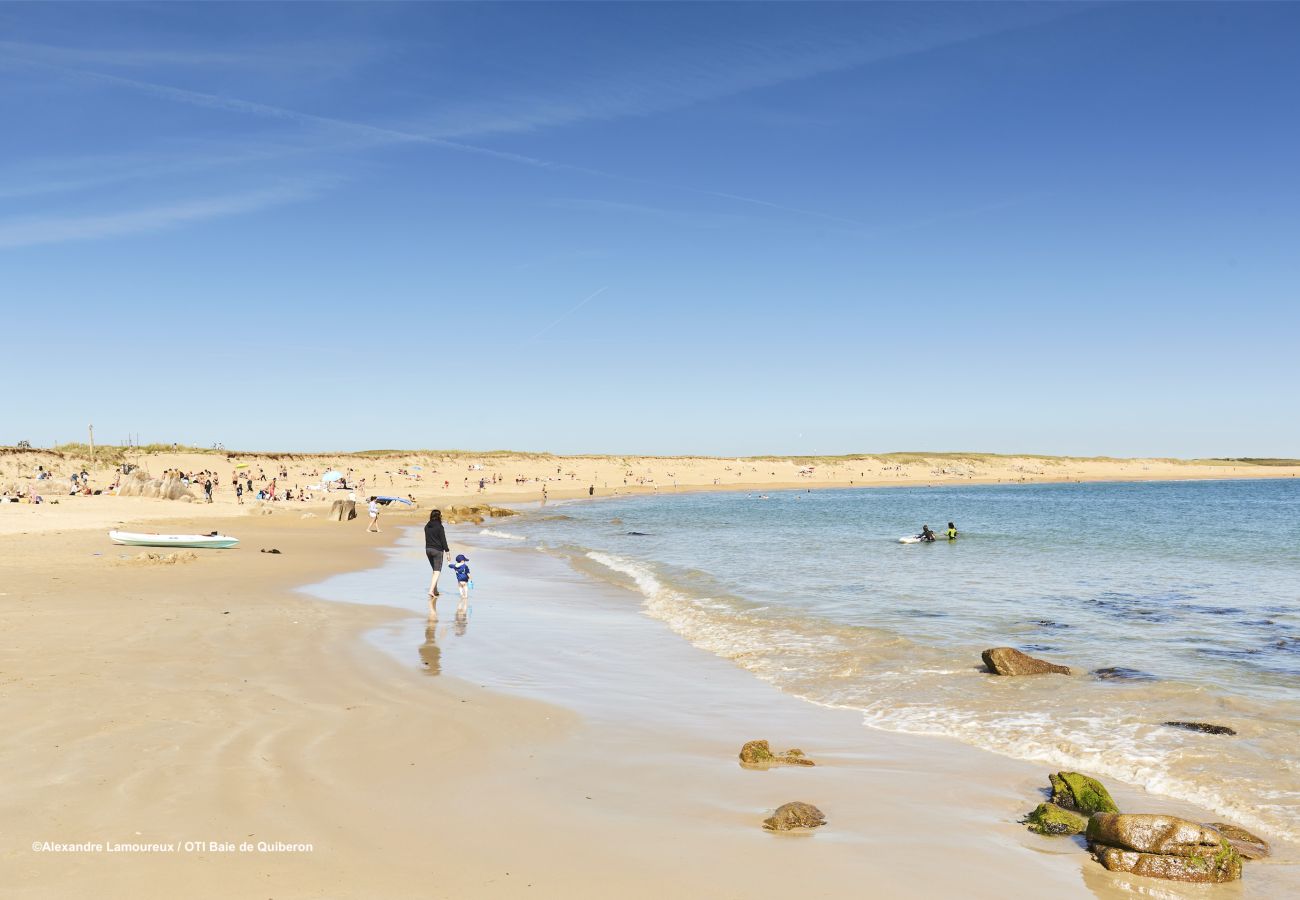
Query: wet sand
[[568, 746]]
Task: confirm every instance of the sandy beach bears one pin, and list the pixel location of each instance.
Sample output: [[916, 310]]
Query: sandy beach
[[567, 747]]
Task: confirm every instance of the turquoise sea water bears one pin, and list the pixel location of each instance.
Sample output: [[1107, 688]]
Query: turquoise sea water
[[1191, 590]]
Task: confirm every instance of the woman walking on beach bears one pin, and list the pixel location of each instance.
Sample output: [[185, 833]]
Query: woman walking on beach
[[435, 545]]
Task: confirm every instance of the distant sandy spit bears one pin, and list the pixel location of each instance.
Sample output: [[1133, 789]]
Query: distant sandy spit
[[304, 483]]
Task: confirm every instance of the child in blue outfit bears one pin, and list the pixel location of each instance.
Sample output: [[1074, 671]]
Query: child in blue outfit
[[461, 568]]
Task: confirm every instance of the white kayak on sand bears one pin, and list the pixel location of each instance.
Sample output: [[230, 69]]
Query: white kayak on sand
[[211, 541]]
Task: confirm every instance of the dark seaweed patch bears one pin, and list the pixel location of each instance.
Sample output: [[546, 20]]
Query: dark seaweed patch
[[1122, 673], [1202, 727]]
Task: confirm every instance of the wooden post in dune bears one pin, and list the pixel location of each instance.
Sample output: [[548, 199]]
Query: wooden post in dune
[[92, 443]]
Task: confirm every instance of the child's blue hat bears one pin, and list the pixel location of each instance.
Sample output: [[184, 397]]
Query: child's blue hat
[[461, 557]]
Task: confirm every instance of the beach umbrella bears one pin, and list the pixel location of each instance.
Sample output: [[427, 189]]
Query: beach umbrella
[[331, 476], [388, 500]]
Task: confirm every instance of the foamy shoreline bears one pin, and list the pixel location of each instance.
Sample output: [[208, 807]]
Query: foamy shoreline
[[601, 654], [214, 699]]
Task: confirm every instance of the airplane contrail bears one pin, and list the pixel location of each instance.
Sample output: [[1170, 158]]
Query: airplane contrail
[[581, 303], [395, 135]]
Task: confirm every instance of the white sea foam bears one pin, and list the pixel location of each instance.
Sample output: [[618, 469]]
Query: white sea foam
[[492, 532], [904, 687]]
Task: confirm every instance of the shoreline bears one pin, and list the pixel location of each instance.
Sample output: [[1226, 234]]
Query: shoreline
[[338, 744], [623, 652]]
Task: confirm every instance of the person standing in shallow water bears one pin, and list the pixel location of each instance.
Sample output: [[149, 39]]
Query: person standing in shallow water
[[435, 545]]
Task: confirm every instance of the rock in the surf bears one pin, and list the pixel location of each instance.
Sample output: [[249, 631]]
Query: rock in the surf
[[1071, 790], [1010, 661], [1203, 727], [1250, 846], [794, 815], [1153, 833], [1121, 673], [1158, 846], [758, 755], [1214, 869], [1048, 818]]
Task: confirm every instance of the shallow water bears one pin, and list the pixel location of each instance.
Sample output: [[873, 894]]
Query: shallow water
[[1190, 591]]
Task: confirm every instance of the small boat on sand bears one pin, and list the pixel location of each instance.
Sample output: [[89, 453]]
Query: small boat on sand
[[212, 541]]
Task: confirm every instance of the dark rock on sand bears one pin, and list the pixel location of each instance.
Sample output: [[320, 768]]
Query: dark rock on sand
[[1048, 818], [1203, 727], [343, 510], [1250, 846], [794, 815], [1070, 790], [1122, 673], [1010, 661], [757, 755], [1158, 846], [1214, 869]]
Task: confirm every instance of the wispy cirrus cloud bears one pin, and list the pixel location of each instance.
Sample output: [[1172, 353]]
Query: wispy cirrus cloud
[[32, 231], [382, 134], [61, 175], [703, 67]]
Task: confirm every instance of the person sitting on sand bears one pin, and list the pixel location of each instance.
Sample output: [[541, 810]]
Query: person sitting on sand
[[952, 532], [926, 534], [435, 545]]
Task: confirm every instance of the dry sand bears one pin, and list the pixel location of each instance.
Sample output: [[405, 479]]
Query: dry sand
[[207, 701]]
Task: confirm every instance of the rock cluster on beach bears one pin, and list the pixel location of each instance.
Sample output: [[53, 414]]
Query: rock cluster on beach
[[789, 816], [164, 559], [1010, 661], [1151, 845], [1162, 847], [758, 755], [477, 513], [170, 487]]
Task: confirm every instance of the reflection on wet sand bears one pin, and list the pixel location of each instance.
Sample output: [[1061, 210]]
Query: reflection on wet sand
[[430, 652]]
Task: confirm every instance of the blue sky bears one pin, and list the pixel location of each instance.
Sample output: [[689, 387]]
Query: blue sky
[[662, 228]]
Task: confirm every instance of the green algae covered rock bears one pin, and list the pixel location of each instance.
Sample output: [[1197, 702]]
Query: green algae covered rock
[[790, 816], [758, 755], [1215, 869], [1070, 790], [1049, 818], [1159, 846]]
